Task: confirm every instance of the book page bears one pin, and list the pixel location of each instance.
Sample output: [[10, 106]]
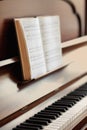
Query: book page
[[50, 31], [32, 36]]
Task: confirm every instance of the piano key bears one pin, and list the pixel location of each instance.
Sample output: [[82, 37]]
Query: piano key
[[31, 128], [36, 117], [55, 108], [17, 129], [30, 124], [52, 111], [82, 91], [28, 127], [45, 116], [78, 93], [37, 122], [77, 96], [47, 112], [71, 102], [71, 98], [68, 101], [63, 104]]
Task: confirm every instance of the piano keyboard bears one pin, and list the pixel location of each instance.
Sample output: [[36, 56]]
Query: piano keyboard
[[62, 114]]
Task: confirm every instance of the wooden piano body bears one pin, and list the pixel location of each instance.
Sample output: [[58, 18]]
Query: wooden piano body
[[19, 101]]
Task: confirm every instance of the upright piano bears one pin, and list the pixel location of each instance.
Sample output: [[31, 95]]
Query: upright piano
[[57, 101]]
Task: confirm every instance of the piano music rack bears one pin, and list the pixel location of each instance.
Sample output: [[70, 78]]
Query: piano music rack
[[67, 44]]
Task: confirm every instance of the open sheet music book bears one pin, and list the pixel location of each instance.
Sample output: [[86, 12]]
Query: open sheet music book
[[39, 43]]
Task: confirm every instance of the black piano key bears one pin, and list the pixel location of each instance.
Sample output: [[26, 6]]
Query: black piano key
[[82, 92], [77, 98], [55, 108], [68, 101], [17, 129], [45, 116], [25, 128], [37, 117], [71, 102], [33, 121], [52, 111], [49, 113], [63, 104], [28, 127], [30, 124], [78, 93]]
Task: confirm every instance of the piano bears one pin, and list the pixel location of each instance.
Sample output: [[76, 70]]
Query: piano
[[57, 101]]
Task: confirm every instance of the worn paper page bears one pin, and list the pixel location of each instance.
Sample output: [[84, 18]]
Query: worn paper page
[[50, 31], [32, 36]]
